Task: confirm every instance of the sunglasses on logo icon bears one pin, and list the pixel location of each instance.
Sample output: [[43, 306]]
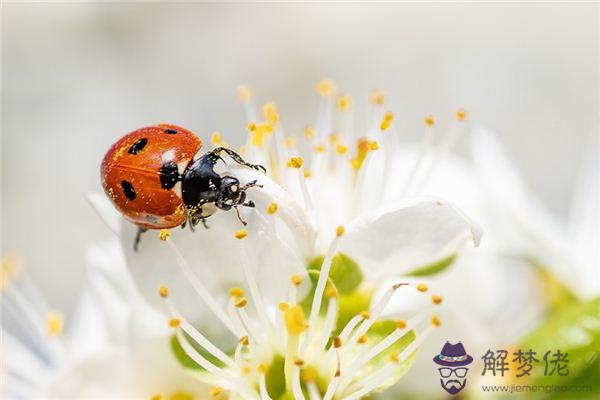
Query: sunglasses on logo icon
[[447, 372]]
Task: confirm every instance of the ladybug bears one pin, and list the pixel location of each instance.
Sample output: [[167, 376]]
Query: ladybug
[[141, 175]]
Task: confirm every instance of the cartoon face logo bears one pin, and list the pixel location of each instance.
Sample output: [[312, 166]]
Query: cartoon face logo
[[452, 360]]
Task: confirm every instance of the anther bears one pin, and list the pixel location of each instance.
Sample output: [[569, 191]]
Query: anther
[[295, 162], [295, 321], [270, 113], [461, 114], [163, 291], [174, 322], [215, 391], [244, 93], [337, 342], [240, 234], [246, 369], [377, 98], [262, 369], [298, 361], [429, 120], [164, 234], [283, 306], [290, 142], [54, 323], [308, 374], [435, 321], [325, 88], [339, 231], [331, 292], [244, 341], [362, 339], [241, 303], [341, 149], [307, 173], [394, 357], [373, 145], [401, 324], [251, 126], [216, 138], [320, 148], [436, 299], [296, 279], [421, 287], [366, 314], [156, 397], [388, 118], [236, 292], [309, 132], [272, 208], [344, 103]]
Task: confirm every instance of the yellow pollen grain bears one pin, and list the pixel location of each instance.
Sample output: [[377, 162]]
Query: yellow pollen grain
[[436, 321], [307, 174], [240, 234], [241, 303], [325, 88], [330, 292], [272, 208], [295, 162], [401, 324], [163, 291], [164, 234], [436, 299], [283, 306], [290, 142], [244, 341], [339, 231], [344, 102], [215, 391], [174, 322], [295, 321], [334, 138], [461, 114], [244, 93], [54, 323], [298, 361], [246, 369], [296, 279], [337, 342], [236, 292], [421, 287], [251, 126], [394, 357], [262, 369], [309, 132], [377, 98], [373, 145], [362, 339], [429, 120], [341, 149], [320, 148], [366, 314]]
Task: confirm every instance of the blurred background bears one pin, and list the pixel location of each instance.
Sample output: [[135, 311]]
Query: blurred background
[[78, 76]]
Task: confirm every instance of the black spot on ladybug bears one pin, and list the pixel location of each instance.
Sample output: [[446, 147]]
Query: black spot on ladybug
[[170, 131], [128, 190], [138, 146], [169, 175]]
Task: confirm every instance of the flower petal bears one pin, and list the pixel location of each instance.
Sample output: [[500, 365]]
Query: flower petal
[[405, 235]]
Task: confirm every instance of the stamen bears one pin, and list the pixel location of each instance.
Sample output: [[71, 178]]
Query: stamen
[[344, 102], [323, 276], [244, 93], [425, 148], [325, 88], [461, 114], [388, 118], [295, 162], [215, 391], [262, 371], [198, 285], [240, 234], [272, 208], [296, 385], [436, 299], [378, 98], [236, 292], [54, 323]]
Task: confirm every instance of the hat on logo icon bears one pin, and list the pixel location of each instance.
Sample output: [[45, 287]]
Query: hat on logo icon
[[453, 355]]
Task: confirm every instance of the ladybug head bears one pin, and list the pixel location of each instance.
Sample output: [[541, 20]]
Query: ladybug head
[[230, 193]]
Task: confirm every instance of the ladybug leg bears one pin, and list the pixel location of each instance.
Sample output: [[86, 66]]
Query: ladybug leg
[[250, 184], [237, 158], [203, 220], [249, 203], [237, 211], [138, 237]]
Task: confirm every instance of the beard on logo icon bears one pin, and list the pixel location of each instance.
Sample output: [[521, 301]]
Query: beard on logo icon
[[453, 386]]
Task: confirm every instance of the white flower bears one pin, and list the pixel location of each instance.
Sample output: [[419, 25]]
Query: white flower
[[113, 347], [330, 207]]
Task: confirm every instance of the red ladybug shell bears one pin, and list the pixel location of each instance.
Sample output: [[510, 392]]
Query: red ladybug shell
[[139, 174]]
